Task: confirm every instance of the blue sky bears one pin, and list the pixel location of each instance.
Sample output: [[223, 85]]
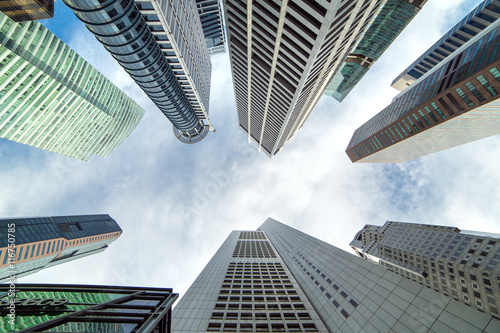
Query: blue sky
[[177, 203]]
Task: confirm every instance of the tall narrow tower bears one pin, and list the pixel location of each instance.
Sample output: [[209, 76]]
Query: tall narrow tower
[[161, 44], [451, 96], [285, 53], [44, 242], [51, 98], [278, 279], [462, 265]]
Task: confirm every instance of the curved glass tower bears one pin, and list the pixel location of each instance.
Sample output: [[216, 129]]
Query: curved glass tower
[[123, 31], [51, 98]]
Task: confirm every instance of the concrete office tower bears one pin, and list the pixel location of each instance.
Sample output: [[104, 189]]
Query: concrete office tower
[[51, 98], [465, 266], [477, 20], [453, 103], [278, 279], [385, 26], [44, 242], [162, 46], [27, 10], [210, 12], [283, 56]]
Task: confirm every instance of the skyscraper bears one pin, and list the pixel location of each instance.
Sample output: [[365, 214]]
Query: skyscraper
[[453, 101], [85, 308], [27, 10], [462, 265], [285, 53], [384, 27], [278, 279], [44, 242], [213, 25], [162, 46], [477, 20], [51, 98]]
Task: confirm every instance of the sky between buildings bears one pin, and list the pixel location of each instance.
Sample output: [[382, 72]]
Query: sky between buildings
[[177, 203]]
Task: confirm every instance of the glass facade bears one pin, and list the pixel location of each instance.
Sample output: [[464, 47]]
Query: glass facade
[[77, 308], [43, 242], [393, 17], [51, 98], [27, 10], [452, 104], [213, 25], [139, 43], [477, 20]]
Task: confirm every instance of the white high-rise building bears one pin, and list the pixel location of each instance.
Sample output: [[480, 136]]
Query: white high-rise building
[[462, 265], [285, 53], [278, 279]]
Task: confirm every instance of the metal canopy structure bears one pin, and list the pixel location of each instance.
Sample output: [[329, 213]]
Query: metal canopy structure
[[93, 308]]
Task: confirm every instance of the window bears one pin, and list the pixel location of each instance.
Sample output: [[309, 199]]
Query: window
[[466, 298]]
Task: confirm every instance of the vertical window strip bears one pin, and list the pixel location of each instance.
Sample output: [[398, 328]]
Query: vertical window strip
[[406, 125], [464, 97], [431, 114], [424, 117], [487, 85], [475, 92], [496, 74], [27, 251], [438, 110], [418, 121]]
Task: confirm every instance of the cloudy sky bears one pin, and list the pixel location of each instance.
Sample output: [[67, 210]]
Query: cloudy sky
[[177, 203]]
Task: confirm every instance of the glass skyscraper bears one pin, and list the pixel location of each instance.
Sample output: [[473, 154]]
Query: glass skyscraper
[[462, 265], [51, 98], [278, 279], [285, 53], [385, 26], [44, 242], [477, 20], [213, 25], [454, 102], [27, 10], [161, 44]]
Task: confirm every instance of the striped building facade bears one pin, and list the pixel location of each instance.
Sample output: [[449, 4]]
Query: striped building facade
[[453, 103], [51, 98], [161, 45], [283, 56], [278, 279], [44, 242]]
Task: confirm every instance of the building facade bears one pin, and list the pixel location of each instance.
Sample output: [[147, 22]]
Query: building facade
[[465, 266], [210, 12], [85, 308], [44, 242], [27, 10], [161, 45], [283, 56], [477, 20], [51, 98], [453, 103], [278, 279], [384, 27]]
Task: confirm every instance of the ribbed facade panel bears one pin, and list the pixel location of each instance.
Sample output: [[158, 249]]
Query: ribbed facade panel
[[52, 99], [283, 54]]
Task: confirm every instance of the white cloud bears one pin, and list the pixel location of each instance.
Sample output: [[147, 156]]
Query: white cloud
[[177, 203]]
